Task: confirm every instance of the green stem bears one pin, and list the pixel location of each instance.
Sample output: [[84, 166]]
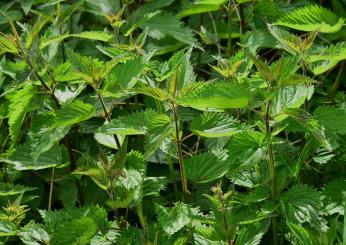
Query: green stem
[[173, 177], [142, 220], [180, 153], [229, 23], [272, 171], [51, 189], [336, 83]]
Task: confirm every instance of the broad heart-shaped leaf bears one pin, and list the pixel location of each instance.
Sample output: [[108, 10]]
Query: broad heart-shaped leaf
[[132, 124], [19, 105], [211, 124], [159, 129], [332, 118], [312, 18], [205, 167], [22, 158], [300, 234], [289, 97], [246, 149], [216, 96], [7, 189], [252, 234], [300, 204], [73, 112], [174, 219]]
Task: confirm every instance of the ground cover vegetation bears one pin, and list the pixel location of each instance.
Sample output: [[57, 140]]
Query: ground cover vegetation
[[172, 122]]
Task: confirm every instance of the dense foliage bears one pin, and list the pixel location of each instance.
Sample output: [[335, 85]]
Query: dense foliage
[[172, 122]]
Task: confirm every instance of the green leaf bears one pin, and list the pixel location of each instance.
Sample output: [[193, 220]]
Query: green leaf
[[34, 32], [252, 233], [312, 18], [92, 35], [22, 158], [73, 112], [335, 191], [132, 124], [7, 229], [300, 204], [332, 118], [301, 235], [164, 24], [7, 189], [19, 105], [288, 41], [246, 149], [205, 167], [77, 232], [289, 97], [322, 58], [199, 7], [159, 129], [174, 219], [153, 185], [211, 124], [34, 234], [216, 95]]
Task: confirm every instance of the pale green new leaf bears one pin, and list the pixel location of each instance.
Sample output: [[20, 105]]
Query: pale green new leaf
[[216, 96], [205, 167], [288, 41], [211, 124], [312, 18], [19, 105], [72, 113], [34, 32]]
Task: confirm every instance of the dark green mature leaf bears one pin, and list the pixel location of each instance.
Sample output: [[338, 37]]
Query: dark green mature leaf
[[205, 167], [159, 129], [78, 231], [73, 112], [252, 234], [289, 97], [7, 189], [336, 191], [165, 24], [246, 149], [19, 105], [174, 219], [216, 96], [300, 204], [312, 18], [22, 158], [132, 124], [301, 235], [211, 124], [333, 119]]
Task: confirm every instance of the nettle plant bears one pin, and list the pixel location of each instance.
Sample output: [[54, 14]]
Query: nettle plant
[[166, 122]]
